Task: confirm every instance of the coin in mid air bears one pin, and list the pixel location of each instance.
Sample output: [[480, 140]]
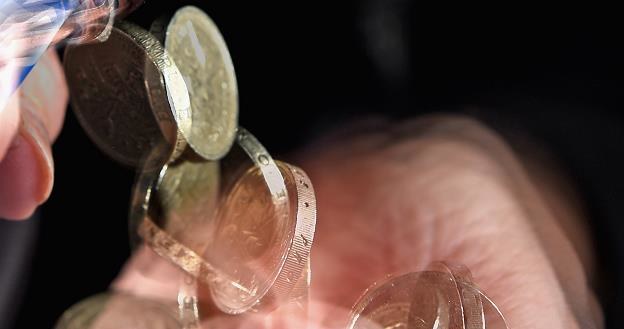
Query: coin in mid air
[[128, 95], [199, 51], [181, 199], [251, 248], [259, 248]]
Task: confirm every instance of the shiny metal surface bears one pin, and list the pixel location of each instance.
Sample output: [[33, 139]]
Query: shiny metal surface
[[196, 45], [128, 95]]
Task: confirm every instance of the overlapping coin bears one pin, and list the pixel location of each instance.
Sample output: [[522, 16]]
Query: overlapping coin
[[236, 221], [442, 297], [196, 45], [129, 96], [244, 228]]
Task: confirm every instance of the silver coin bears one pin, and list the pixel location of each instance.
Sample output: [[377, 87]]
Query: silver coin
[[196, 45], [128, 95]]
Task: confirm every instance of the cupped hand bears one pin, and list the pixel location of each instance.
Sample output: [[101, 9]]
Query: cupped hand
[[394, 198], [29, 124]]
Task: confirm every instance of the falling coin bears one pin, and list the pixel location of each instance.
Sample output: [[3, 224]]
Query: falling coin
[[182, 197], [265, 252], [471, 306], [119, 311], [196, 45], [441, 297], [389, 304], [129, 96], [255, 246]]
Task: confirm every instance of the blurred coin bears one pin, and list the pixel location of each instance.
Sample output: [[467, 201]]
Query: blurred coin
[[471, 308], [253, 250], [389, 304], [492, 316], [82, 314], [263, 250], [118, 311], [182, 197], [441, 297], [196, 45], [188, 303], [128, 95]]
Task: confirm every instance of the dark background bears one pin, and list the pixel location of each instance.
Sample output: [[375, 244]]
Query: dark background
[[305, 67]]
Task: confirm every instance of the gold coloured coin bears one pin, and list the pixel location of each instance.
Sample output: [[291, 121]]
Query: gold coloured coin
[[129, 96], [253, 251], [265, 252], [471, 309], [119, 311], [444, 296], [196, 45], [83, 314], [182, 197], [390, 304]]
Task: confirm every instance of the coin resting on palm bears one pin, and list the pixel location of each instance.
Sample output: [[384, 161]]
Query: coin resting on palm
[[252, 247], [128, 95], [196, 45], [442, 297]]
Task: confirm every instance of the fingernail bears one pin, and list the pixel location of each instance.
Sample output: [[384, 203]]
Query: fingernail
[[24, 179]]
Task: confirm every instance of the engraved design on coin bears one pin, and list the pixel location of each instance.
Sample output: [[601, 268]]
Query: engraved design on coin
[[125, 115], [196, 45], [441, 297], [264, 251]]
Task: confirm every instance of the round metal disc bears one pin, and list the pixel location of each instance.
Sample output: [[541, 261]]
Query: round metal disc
[[117, 310], [196, 45], [128, 95], [251, 249]]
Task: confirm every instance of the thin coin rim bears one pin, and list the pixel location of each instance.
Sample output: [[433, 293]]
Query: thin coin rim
[[215, 34]]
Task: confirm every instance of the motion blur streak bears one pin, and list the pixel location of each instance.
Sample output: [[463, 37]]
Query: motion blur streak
[[29, 27]]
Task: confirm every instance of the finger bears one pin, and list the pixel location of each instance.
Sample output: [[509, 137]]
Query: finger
[[9, 123], [27, 170], [48, 88]]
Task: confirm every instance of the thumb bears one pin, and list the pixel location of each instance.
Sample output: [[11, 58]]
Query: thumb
[[28, 124]]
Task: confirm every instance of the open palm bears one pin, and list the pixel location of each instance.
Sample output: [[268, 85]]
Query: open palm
[[392, 199]]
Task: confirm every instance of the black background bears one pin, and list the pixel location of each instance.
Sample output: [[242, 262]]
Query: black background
[[305, 67]]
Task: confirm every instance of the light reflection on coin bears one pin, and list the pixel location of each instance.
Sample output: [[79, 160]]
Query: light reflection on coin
[[441, 297], [118, 311], [185, 201], [264, 251], [471, 308], [181, 198], [254, 250], [128, 95], [196, 45], [389, 304]]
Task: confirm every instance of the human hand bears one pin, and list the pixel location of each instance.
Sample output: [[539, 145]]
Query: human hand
[[29, 124], [395, 198]]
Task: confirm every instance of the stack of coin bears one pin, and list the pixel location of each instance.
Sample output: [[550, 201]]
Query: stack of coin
[[443, 296], [209, 197]]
